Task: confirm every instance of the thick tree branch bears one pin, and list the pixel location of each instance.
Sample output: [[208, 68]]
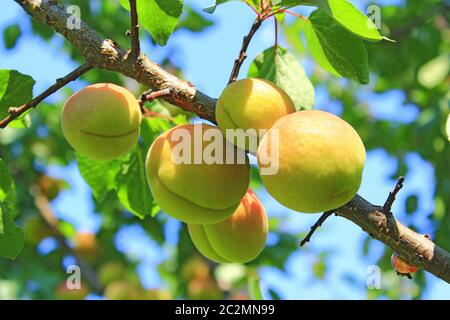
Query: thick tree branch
[[412, 247], [106, 54], [14, 113]]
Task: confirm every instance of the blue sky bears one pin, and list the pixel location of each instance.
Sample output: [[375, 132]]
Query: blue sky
[[206, 60]]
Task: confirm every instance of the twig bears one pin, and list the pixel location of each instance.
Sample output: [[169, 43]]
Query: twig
[[276, 31], [45, 210], [150, 95], [134, 32], [14, 113], [243, 53], [316, 225], [391, 198]]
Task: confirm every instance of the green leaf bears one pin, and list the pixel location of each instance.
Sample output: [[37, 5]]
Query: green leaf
[[99, 175], [447, 127], [349, 17], [134, 192], [281, 67], [7, 189], [336, 50], [212, 8], [11, 34], [12, 238], [194, 21], [254, 289], [16, 89], [159, 17]]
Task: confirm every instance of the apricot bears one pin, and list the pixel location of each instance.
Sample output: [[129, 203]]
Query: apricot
[[62, 292], [251, 104], [87, 246], [318, 157], [101, 121], [401, 265], [238, 239], [191, 178]]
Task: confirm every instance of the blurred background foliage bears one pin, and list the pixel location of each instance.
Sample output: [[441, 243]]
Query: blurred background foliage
[[416, 67]]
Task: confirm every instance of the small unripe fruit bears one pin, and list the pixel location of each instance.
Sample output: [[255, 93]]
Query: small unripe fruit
[[251, 104], [64, 293], [401, 265], [238, 239], [87, 246], [320, 161], [124, 290], [101, 121], [193, 191]]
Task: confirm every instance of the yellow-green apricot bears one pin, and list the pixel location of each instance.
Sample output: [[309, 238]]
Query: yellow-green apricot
[[101, 121], [251, 104], [195, 190], [320, 161], [238, 239]]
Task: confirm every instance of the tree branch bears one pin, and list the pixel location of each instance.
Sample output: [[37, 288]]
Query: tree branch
[[391, 198], [14, 113], [106, 54], [316, 225], [134, 31], [411, 246], [45, 210], [243, 53]]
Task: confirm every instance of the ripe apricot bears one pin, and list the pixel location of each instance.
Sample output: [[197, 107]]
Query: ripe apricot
[[251, 104], [320, 159], [193, 179], [101, 121], [238, 239]]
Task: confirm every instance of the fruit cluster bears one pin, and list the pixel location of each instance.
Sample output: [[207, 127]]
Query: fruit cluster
[[317, 158]]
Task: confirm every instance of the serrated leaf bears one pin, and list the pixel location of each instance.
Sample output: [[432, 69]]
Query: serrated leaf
[[254, 288], [134, 192], [158, 17], [99, 175], [16, 89], [349, 17], [336, 50], [11, 34], [12, 238], [281, 67]]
